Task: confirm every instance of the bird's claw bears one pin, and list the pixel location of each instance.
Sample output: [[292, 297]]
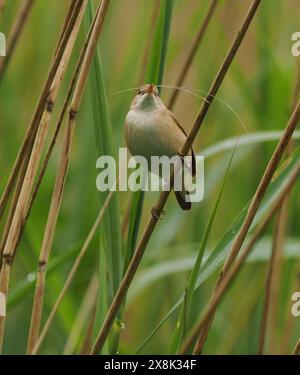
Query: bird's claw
[[156, 213], [181, 155]]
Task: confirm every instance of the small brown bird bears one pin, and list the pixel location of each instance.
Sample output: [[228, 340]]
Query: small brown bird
[[152, 130]]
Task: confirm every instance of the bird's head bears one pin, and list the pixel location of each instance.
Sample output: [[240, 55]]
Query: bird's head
[[147, 98]]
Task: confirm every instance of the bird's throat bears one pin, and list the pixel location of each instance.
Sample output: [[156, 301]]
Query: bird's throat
[[148, 103]]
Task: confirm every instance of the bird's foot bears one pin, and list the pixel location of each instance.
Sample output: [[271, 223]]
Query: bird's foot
[[180, 154], [156, 213]]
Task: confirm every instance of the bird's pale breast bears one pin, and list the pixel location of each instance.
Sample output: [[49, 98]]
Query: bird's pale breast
[[152, 133]]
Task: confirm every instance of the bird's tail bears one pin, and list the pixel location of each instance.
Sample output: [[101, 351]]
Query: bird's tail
[[181, 197]]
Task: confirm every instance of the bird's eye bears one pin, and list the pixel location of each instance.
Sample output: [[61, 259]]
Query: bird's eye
[[140, 92]]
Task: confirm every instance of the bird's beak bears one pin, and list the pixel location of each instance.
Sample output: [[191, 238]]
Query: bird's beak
[[150, 89]]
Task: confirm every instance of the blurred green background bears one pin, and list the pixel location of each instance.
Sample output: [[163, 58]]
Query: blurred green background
[[259, 86]]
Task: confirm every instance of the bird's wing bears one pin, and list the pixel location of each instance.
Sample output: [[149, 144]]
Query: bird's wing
[[184, 132]]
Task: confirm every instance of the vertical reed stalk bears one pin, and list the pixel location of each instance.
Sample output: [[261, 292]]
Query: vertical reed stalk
[[61, 176], [296, 349], [278, 244], [71, 275], [59, 65], [272, 275], [2, 7], [13, 205], [15, 32], [252, 210], [191, 55], [70, 10], [156, 211], [233, 271]]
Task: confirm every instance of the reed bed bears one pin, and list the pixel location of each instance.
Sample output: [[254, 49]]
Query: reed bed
[[35, 156]]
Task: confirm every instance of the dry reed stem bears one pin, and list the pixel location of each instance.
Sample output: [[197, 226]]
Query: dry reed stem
[[252, 210], [62, 172], [126, 218], [84, 311], [33, 126], [47, 241], [192, 52], [2, 7], [156, 211], [296, 349], [71, 274], [233, 271], [19, 215], [15, 33], [88, 57], [13, 205], [272, 278], [278, 243], [274, 270], [37, 309], [70, 10]]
